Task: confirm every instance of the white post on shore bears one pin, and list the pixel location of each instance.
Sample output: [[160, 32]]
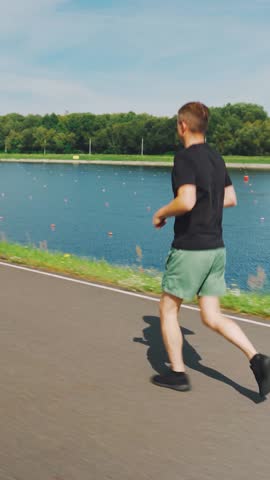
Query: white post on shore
[[45, 147], [142, 147], [90, 146]]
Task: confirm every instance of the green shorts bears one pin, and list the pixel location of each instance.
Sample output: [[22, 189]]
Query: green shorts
[[195, 272]]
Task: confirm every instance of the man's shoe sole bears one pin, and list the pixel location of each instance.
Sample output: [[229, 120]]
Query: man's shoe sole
[[179, 388]]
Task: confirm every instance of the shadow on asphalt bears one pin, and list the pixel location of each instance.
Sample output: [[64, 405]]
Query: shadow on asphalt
[[157, 357]]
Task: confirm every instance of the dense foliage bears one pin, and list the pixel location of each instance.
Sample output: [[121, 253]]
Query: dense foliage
[[235, 129]]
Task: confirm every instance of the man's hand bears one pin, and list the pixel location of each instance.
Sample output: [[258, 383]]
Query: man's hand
[[158, 220]]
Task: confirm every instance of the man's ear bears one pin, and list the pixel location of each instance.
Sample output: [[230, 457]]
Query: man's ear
[[183, 127], [180, 128]]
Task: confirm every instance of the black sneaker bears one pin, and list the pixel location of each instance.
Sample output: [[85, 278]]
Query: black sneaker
[[260, 365], [175, 380]]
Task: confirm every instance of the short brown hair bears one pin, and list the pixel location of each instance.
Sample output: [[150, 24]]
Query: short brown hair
[[196, 116]]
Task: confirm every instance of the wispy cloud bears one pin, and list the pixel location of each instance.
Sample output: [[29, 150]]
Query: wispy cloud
[[146, 56]]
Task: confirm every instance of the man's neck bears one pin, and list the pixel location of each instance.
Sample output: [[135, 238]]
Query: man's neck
[[193, 140]]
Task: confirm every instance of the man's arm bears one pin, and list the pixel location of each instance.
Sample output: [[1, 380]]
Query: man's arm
[[183, 203], [230, 199]]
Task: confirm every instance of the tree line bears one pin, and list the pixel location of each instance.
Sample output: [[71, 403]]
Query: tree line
[[235, 129]]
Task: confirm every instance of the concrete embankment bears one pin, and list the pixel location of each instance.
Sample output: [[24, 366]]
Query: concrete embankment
[[135, 163]]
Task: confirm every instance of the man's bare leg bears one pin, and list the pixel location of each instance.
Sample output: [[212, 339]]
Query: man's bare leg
[[213, 318], [176, 378], [171, 333], [259, 363]]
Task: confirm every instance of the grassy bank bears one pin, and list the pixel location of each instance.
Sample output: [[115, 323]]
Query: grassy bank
[[134, 279], [147, 158]]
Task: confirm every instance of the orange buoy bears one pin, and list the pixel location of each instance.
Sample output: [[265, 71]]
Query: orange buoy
[[246, 178], [110, 234], [53, 226]]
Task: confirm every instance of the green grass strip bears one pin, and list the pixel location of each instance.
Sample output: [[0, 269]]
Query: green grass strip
[[134, 279], [130, 278]]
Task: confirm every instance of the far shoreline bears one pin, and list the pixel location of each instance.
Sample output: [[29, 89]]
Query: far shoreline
[[138, 163]]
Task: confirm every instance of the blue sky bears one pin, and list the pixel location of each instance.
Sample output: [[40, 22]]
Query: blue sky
[[146, 56]]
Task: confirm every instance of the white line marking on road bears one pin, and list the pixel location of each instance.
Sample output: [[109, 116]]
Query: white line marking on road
[[118, 290]]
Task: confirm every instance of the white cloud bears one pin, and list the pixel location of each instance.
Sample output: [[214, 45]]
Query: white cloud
[[151, 60], [38, 93]]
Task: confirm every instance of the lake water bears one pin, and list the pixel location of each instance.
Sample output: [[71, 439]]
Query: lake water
[[85, 203]]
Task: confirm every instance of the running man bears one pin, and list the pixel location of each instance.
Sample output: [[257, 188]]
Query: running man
[[196, 261]]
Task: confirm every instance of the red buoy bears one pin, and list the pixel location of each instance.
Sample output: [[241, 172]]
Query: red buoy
[[246, 178]]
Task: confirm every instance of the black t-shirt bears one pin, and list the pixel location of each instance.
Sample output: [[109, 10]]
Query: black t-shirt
[[201, 228]]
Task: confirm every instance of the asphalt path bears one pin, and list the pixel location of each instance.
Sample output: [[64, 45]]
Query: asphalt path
[[76, 402]]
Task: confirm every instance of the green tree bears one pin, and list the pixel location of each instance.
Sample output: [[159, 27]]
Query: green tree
[[13, 142], [42, 139], [240, 128], [50, 121]]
